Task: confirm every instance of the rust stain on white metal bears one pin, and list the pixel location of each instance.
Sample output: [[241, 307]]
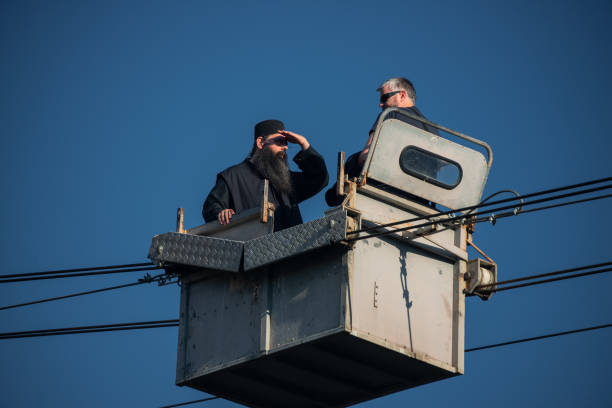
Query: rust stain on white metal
[[447, 307]]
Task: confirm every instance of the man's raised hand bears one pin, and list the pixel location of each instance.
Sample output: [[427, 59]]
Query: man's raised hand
[[293, 137]]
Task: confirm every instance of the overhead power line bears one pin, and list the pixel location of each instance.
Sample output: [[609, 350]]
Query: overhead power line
[[161, 279], [175, 322], [89, 292], [94, 268], [484, 203], [544, 275], [90, 329], [495, 287], [545, 336], [548, 207], [494, 217], [27, 277], [490, 346], [190, 402], [464, 217]]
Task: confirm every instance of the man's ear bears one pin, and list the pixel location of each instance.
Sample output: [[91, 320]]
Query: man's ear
[[407, 98], [260, 142]]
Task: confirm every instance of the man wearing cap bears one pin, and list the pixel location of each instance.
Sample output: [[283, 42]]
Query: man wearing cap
[[240, 187], [394, 92]]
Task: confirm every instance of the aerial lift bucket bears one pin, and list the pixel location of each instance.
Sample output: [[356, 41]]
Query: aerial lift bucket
[[323, 314]]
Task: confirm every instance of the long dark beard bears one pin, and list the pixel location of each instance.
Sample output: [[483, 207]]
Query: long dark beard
[[273, 167]]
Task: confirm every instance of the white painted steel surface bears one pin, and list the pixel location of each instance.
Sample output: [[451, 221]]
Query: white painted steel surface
[[375, 211], [243, 226], [384, 166], [419, 302], [332, 327], [414, 308]]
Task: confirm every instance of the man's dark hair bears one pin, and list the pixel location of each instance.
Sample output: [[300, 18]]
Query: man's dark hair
[[397, 84], [255, 148]]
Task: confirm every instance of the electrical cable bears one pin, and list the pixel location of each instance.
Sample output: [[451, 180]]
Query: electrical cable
[[73, 275], [547, 274], [490, 346], [468, 215], [523, 285], [545, 336], [545, 207], [70, 295], [517, 196], [146, 279], [578, 275], [584, 200], [90, 329], [484, 204], [175, 322], [94, 268], [190, 402], [491, 218]]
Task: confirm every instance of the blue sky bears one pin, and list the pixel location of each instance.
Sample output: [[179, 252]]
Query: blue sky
[[116, 113]]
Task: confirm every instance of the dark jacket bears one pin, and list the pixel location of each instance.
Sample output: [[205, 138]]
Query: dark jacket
[[240, 187]]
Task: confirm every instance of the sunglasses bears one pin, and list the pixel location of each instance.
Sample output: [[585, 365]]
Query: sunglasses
[[385, 97], [278, 140]]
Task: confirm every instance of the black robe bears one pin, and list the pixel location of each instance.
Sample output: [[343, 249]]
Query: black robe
[[240, 188]]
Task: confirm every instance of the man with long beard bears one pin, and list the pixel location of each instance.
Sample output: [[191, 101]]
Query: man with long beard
[[240, 187]]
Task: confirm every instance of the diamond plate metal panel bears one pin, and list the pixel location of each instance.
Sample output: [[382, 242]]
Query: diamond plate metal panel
[[206, 252], [295, 240]]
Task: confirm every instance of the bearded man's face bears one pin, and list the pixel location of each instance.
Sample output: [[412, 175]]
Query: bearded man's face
[[272, 162]]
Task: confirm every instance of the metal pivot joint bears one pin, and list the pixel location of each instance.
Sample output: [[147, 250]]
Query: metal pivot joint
[[480, 273]]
